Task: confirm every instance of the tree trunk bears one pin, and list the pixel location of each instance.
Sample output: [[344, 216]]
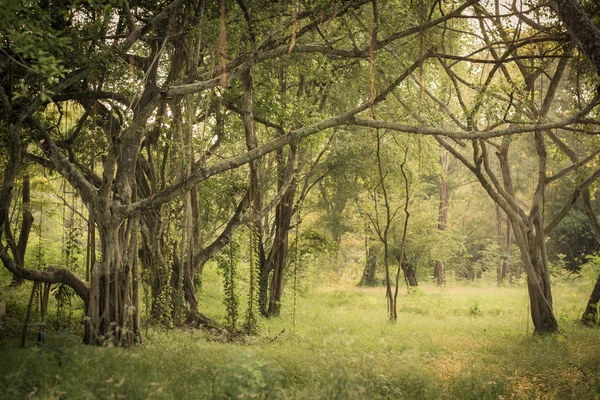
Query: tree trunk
[[368, 276], [505, 260], [590, 315], [111, 314], [440, 268], [388, 283], [504, 244], [279, 252], [263, 274], [410, 274], [191, 266], [528, 229], [26, 224], [531, 239], [580, 27], [159, 273], [502, 155]]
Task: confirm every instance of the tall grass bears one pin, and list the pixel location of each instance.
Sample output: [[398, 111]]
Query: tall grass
[[456, 342]]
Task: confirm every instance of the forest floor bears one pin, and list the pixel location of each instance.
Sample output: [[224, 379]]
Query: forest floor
[[461, 341]]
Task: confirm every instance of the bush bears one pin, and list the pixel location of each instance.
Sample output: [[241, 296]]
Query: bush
[[245, 376]]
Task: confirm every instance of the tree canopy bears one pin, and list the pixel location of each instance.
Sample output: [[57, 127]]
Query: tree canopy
[[182, 125]]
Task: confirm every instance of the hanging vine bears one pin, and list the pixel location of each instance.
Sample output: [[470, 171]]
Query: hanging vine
[[227, 263], [71, 254], [251, 318], [296, 261]]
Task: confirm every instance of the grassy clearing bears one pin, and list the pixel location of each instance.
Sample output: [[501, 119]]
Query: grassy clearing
[[455, 342]]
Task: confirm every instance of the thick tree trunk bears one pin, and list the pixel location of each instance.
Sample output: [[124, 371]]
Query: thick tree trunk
[[439, 273], [111, 313], [538, 284], [191, 265], [530, 237], [279, 252], [532, 249], [189, 289], [528, 229], [255, 194], [506, 258], [580, 27], [410, 274], [368, 276]]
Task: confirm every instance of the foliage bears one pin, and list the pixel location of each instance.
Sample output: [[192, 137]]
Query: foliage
[[244, 376], [591, 269], [36, 40], [314, 251], [252, 310], [64, 296], [573, 238], [314, 244], [227, 263], [92, 93]]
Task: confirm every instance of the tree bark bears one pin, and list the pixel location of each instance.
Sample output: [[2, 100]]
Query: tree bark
[[528, 229], [382, 232], [440, 268], [410, 274], [26, 224], [403, 242], [52, 274], [505, 259], [368, 276], [531, 240], [590, 315], [580, 27], [34, 290], [111, 298], [280, 248], [159, 273]]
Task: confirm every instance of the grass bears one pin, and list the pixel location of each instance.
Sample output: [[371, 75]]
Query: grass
[[456, 342]]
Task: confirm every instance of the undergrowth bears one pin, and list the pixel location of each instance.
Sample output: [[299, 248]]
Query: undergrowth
[[457, 342]]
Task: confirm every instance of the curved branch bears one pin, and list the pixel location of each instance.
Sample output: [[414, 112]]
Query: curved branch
[[424, 130], [569, 204], [52, 275], [202, 173], [93, 95]]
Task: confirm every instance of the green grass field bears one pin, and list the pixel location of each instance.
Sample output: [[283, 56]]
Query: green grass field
[[456, 342]]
